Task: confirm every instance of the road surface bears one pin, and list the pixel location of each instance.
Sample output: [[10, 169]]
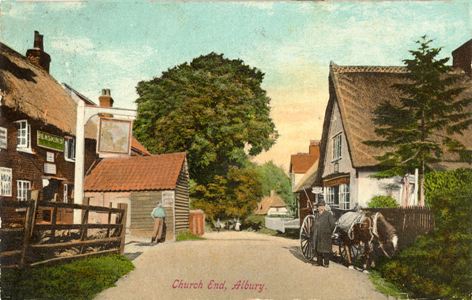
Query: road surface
[[235, 265]]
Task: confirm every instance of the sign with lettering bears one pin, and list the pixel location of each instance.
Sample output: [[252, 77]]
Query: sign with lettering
[[5, 182], [168, 198], [49, 168], [50, 141], [3, 138], [317, 190]]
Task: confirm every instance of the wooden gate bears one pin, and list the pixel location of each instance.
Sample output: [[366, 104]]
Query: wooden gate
[[33, 242]]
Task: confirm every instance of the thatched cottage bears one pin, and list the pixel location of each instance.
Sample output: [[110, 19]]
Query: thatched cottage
[[346, 163]]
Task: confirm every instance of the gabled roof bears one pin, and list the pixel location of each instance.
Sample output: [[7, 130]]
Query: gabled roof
[[301, 162], [358, 90], [33, 91], [138, 148], [308, 180], [267, 202], [136, 173]]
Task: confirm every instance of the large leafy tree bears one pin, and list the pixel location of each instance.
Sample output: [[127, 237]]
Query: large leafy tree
[[213, 107], [273, 178], [418, 129], [234, 195]]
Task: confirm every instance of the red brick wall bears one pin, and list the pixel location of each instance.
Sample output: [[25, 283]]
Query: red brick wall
[[30, 166]]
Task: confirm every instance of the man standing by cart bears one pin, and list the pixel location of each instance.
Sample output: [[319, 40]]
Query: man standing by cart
[[323, 228]]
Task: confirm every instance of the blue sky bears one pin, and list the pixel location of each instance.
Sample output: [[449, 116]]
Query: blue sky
[[111, 44]]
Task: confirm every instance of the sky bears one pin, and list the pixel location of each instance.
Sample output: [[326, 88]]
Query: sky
[[116, 44]]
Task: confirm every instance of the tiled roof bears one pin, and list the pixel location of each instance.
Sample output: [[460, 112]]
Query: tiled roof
[[136, 146], [136, 173], [301, 162]]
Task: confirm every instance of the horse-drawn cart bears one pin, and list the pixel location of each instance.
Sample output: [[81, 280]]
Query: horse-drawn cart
[[357, 235]]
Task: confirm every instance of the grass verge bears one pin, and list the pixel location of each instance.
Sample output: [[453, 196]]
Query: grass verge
[[188, 236], [385, 287], [80, 279]]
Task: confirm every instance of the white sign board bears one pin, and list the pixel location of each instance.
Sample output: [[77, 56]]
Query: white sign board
[[3, 138], [168, 198], [317, 190], [5, 182], [49, 168], [114, 136], [49, 156]]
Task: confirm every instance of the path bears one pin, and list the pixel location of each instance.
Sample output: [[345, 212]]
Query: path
[[264, 266]]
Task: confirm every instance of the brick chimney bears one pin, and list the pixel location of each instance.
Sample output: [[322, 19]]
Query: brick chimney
[[105, 98], [37, 55], [462, 57], [314, 149]]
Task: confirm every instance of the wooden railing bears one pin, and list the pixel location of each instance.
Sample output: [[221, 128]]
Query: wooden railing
[[31, 243]]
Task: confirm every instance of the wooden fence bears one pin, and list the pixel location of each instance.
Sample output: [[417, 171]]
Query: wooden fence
[[33, 242], [410, 222]]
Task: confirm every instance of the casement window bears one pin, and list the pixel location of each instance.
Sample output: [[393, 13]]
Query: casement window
[[23, 190], [69, 148], [23, 136], [344, 196], [337, 147], [3, 138], [5, 181], [66, 191], [329, 196]]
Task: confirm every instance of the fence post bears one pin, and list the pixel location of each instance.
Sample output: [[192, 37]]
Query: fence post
[[123, 218], [29, 219], [109, 219], [83, 228]]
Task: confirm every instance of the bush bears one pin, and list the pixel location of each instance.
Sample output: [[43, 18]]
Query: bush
[[254, 222], [382, 201], [439, 264], [80, 279], [441, 182]]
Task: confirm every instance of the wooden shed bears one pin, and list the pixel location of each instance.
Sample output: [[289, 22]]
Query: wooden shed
[[142, 182]]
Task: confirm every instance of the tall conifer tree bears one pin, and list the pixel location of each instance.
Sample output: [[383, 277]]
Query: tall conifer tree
[[416, 130]]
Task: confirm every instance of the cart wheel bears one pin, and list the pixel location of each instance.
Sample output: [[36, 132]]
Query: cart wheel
[[306, 237]]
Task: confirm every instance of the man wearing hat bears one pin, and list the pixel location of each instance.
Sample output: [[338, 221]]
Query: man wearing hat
[[324, 226]]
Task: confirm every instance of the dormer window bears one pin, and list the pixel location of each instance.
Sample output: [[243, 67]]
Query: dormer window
[[23, 136], [337, 147]]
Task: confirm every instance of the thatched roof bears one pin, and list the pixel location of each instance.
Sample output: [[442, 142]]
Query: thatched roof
[[308, 180], [267, 202], [31, 90], [358, 90]]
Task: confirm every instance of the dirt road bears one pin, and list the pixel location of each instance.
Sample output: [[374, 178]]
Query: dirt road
[[235, 265]]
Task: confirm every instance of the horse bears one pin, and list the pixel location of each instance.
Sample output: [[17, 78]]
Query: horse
[[369, 232]]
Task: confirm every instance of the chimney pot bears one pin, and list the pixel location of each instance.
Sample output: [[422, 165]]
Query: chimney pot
[[36, 55], [105, 98], [462, 57]]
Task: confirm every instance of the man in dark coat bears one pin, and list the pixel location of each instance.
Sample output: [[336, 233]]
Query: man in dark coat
[[324, 226]]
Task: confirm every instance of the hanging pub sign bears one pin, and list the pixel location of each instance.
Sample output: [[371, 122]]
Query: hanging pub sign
[[50, 141], [114, 136]]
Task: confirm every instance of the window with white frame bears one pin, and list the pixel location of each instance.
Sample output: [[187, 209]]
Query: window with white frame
[[337, 147], [344, 196], [23, 136], [3, 138], [329, 198], [23, 189], [66, 191], [69, 148]]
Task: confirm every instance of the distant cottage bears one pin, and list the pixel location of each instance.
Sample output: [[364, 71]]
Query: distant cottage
[[271, 205]]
